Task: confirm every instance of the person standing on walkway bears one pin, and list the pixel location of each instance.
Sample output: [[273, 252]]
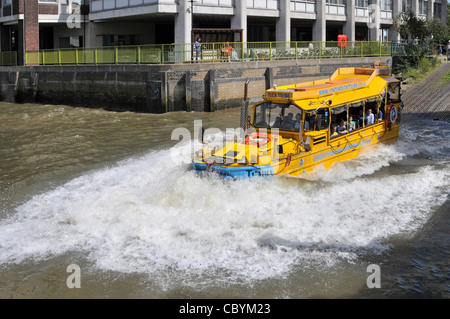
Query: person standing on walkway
[[228, 49], [448, 50], [198, 47]]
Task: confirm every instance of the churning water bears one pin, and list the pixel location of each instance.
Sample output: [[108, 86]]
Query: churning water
[[102, 190]]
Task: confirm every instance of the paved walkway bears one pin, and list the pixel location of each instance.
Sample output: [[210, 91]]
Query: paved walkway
[[429, 99]]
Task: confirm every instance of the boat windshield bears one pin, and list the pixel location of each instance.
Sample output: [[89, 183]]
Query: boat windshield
[[276, 115]]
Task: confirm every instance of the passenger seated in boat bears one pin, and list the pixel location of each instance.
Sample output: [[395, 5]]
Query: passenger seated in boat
[[370, 118], [288, 121], [351, 124], [380, 115], [342, 129], [361, 119], [333, 131], [306, 126], [308, 118], [298, 119]]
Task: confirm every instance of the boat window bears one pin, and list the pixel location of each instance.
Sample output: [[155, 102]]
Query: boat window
[[371, 107], [339, 118], [276, 115], [310, 118], [316, 121], [322, 119], [355, 115]]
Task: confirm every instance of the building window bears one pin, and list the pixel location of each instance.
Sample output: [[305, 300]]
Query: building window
[[362, 3], [6, 2], [437, 10], [423, 7], [406, 5], [384, 34], [48, 1], [386, 5]]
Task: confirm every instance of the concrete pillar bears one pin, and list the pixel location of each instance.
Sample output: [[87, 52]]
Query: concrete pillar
[[31, 25], [349, 26], [212, 91], [320, 25], [415, 6], [374, 22], [28, 30], [183, 23], [2, 39], [90, 34], [396, 9], [430, 10], [269, 78], [164, 92], [20, 43], [188, 91], [239, 19], [283, 25]]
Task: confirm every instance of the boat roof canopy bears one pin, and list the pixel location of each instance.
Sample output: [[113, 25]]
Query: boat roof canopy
[[345, 86]]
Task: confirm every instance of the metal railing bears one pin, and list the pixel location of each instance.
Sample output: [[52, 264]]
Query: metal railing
[[412, 47], [209, 52], [8, 58]]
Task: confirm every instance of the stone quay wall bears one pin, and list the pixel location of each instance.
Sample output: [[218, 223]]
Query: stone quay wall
[[203, 87]]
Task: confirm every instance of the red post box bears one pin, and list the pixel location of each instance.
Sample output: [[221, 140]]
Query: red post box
[[342, 43], [342, 40]]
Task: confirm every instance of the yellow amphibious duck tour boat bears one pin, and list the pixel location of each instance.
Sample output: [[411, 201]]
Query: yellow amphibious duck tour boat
[[298, 127]]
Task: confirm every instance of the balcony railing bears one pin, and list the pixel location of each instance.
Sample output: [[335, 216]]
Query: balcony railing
[[362, 11], [263, 4], [209, 53], [101, 5], [303, 6], [335, 9], [386, 14], [8, 58], [217, 3]]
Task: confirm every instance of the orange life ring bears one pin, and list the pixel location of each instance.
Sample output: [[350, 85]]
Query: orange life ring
[[257, 139]]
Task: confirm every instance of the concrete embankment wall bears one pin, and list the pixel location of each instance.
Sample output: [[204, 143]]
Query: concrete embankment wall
[[162, 88]]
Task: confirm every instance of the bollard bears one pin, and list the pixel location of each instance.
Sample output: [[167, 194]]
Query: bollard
[[244, 107]]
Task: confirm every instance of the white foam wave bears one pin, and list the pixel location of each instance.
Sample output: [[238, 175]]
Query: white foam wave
[[155, 216], [368, 162]]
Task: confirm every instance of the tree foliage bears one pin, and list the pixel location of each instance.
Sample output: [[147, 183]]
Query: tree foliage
[[410, 26], [438, 31], [448, 21]]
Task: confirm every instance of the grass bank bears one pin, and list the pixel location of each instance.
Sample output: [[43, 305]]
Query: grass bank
[[415, 74], [446, 78]]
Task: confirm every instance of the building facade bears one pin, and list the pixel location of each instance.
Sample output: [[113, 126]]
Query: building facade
[[29, 25]]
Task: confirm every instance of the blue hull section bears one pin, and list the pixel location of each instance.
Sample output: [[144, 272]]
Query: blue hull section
[[235, 172]]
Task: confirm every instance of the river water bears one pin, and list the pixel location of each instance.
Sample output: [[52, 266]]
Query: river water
[[109, 192]]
